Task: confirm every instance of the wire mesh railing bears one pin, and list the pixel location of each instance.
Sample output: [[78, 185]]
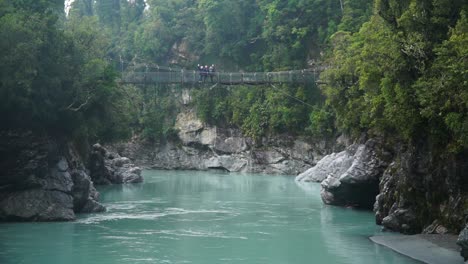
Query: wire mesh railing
[[229, 78]]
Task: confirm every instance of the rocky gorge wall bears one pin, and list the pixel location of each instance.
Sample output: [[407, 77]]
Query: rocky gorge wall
[[45, 179], [411, 188], [203, 147], [42, 179]]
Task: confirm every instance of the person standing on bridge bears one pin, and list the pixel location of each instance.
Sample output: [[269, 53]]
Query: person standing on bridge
[[212, 71], [205, 73], [200, 72]]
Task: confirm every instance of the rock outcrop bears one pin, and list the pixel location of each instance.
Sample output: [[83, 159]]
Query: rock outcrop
[[42, 180], [351, 177], [421, 191], [107, 167], [203, 147], [333, 165], [417, 190]]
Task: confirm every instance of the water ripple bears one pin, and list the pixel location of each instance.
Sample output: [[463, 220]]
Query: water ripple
[[129, 213]]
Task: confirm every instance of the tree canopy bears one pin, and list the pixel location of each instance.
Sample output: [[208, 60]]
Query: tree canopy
[[394, 68]]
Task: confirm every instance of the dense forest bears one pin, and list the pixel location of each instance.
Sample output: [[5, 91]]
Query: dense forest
[[394, 69]]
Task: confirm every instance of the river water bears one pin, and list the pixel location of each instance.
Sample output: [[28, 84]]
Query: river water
[[204, 218]]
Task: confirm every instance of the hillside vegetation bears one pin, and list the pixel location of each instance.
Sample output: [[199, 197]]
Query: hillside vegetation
[[395, 69]]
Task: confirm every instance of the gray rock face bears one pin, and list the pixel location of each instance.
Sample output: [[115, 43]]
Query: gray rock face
[[84, 194], [463, 242], [423, 192], [357, 185], [202, 147], [107, 167], [230, 145], [399, 219], [333, 165], [227, 162], [47, 181], [38, 205]]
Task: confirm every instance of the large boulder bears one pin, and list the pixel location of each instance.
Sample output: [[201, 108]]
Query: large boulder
[[108, 167], [359, 184], [333, 165], [46, 182]]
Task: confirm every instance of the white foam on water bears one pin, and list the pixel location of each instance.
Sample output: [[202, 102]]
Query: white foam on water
[[143, 215], [187, 233]]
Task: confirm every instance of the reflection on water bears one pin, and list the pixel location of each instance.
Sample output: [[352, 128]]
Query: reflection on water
[[200, 217]]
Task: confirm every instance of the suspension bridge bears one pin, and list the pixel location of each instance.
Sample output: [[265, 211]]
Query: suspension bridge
[[174, 76]]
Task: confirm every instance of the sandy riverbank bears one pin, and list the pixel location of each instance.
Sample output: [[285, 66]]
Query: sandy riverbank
[[431, 249]]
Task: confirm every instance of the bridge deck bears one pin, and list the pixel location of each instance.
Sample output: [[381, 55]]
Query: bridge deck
[[227, 78]]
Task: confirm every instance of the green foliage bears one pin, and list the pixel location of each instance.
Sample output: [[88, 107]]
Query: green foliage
[[355, 13], [292, 29], [231, 28], [53, 77], [442, 91], [158, 114], [393, 67], [402, 75], [322, 123], [248, 34], [258, 111]]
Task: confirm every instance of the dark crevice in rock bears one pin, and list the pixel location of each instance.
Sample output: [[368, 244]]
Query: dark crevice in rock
[[218, 169]]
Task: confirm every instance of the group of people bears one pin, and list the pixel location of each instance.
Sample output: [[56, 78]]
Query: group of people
[[205, 71]]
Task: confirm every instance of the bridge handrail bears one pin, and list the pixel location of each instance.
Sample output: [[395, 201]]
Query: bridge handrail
[[193, 76]]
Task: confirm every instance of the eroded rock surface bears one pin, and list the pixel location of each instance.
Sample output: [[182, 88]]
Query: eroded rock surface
[[203, 147], [107, 167], [421, 191], [42, 180], [333, 165], [350, 177], [417, 189]]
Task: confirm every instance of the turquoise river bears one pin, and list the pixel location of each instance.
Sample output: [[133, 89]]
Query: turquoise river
[[203, 218]]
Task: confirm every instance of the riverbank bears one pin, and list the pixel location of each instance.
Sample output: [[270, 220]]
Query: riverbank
[[431, 249]]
